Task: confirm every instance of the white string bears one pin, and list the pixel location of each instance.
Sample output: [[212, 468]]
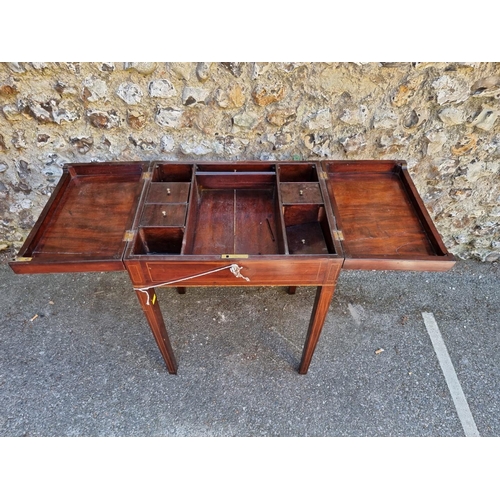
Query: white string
[[234, 268]]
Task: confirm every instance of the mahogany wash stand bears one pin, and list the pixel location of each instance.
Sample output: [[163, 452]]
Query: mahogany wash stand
[[234, 224]]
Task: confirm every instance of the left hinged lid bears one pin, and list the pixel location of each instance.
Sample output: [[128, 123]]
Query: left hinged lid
[[83, 227]]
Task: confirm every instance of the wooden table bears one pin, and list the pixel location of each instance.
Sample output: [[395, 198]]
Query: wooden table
[[182, 225]]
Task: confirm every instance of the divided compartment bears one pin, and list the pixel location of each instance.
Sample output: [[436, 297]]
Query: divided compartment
[[298, 172], [299, 183], [164, 210], [235, 210], [172, 172], [159, 240], [307, 230]]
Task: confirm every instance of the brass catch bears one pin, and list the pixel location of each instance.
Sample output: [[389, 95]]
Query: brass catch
[[129, 235]]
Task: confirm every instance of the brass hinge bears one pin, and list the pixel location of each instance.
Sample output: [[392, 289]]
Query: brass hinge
[[146, 176], [338, 235], [23, 259], [234, 256], [323, 175], [129, 235]]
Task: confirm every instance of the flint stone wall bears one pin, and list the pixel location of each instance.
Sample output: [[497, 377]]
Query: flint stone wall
[[442, 118]]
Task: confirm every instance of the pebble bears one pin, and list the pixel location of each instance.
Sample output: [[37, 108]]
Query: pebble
[[194, 95], [246, 120], [130, 93], [168, 117], [203, 71], [144, 68], [320, 120], [161, 88]]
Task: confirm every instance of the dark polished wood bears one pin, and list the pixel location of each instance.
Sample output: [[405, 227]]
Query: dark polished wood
[[149, 303], [248, 223], [82, 226], [383, 220], [322, 301]]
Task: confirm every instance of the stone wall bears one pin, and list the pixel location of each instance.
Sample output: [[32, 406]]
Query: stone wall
[[442, 118]]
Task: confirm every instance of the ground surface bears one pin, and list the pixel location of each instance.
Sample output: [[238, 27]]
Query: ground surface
[[77, 357]]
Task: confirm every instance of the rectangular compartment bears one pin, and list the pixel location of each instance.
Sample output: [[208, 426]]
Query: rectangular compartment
[[307, 230], [159, 240], [236, 213], [298, 172], [172, 172]]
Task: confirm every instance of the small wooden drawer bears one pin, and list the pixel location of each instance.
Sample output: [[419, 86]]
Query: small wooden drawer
[[300, 192], [168, 192], [164, 214]]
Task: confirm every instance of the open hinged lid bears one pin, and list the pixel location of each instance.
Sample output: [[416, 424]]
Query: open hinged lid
[[382, 219], [83, 226]]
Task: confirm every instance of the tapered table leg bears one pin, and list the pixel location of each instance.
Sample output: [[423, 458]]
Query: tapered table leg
[[151, 308], [291, 290], [322, 302]]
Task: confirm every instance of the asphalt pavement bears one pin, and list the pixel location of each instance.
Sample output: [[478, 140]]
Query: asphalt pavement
[[77, 357]]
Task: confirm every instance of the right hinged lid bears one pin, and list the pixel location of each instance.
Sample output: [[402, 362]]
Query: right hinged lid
[[382, 219]]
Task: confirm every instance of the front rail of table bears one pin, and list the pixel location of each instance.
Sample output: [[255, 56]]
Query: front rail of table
[[176, 224]]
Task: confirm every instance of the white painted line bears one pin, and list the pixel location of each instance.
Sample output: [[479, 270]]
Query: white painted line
[[457, 394]]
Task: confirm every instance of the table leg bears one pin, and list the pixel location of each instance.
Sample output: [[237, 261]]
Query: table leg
[[322, 301], [291, 290], [181, 290], [151, 308]]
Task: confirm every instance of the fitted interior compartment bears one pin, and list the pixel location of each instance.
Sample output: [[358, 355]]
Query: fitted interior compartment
[[159, 240], [298, 172], [166, 204], [307, 230], [234, 213], [172, 172]]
